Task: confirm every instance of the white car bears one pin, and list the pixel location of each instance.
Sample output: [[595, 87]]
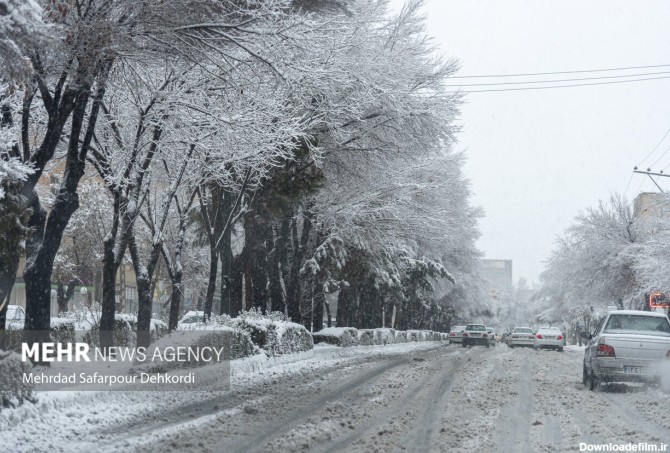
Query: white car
[[475, 334], [549, 338], [521, 336], [455, 334], [492, 336], [625, 346], [15, 317]]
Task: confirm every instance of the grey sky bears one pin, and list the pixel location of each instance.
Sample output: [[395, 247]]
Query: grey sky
[[536, 158]]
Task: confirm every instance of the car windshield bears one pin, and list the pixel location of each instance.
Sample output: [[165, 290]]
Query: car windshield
[[476, 328], [640, 325], [523, 330]]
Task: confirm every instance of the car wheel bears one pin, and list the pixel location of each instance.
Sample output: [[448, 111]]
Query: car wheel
[[463, 344], [594, 384], [560, 349], [585, 376], [487, 344]]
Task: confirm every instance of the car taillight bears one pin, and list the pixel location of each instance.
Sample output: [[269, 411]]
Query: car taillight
[[539, 337], [560, 337], [605, 350], [452, 334], [465, 334]]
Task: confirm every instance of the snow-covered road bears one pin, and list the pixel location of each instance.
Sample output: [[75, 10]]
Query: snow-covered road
[[414, 397]]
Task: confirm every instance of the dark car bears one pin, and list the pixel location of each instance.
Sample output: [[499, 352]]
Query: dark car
[[475, 334]]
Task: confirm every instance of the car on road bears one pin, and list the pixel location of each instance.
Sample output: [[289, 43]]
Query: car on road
[[626, 346], [455, 334], [549, 338], [521, 336], [492, 336], [15, 317], [475, 334]]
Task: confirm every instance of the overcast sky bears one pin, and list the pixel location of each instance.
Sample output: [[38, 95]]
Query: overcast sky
[[536, 158]]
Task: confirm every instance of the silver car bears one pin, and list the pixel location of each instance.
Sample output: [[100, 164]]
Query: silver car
[[456, 334], [521, 336], [626, 346]]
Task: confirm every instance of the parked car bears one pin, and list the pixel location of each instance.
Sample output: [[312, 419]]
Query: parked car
[[492, 336], [191, 317], [549, 338], [15, 317], [626, 346], [521, 336], [475, 334], [455, 334]]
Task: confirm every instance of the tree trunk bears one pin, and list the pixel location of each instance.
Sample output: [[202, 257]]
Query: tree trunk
[[279, 265], [344, 302], [211, 282], [175, 300], [319, 302], [293, 298], [259, 276], [247, 261], [236, 286]]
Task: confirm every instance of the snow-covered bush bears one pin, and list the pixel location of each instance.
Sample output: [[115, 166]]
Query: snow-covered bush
[[271, 332], [215, 336], [340, 336], [13, 391], [400, 337], [385, 336], [62, 331], [366, 337]]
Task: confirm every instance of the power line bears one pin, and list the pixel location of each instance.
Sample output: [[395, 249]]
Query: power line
[[660, 157], [656, 147], [560, 86], [561, 72], [559, 80]]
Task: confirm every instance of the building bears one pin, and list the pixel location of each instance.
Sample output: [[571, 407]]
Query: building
[[497, 275]]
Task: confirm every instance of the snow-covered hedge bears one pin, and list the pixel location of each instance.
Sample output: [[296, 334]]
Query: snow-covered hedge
[[271, 332], [384, 336], [366, 337], [215, 336], [348, 336], [400, 336], [340, 336], [13, 391]]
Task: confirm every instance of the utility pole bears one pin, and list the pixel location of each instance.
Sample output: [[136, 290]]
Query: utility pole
[[650, 174]]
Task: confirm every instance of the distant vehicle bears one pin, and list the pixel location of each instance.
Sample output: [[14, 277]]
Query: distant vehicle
[[504, 338], [191, 317], [475, 334], [626, 346], [492, 336], [521, 336], [16, 317], [455, 334], [549, 338]]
